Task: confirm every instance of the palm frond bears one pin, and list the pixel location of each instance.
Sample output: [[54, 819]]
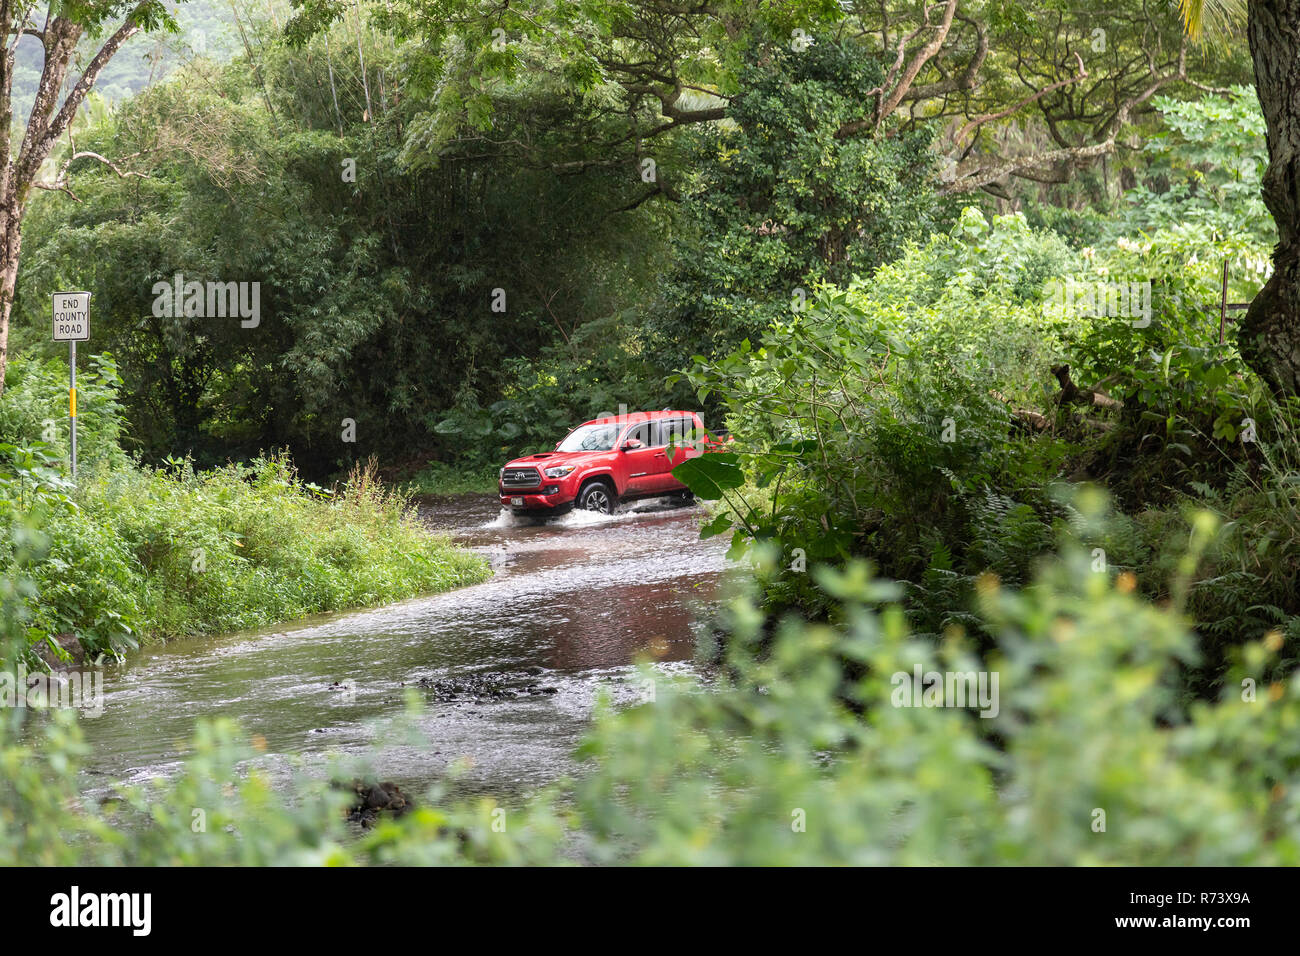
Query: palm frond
[[1210, 17]]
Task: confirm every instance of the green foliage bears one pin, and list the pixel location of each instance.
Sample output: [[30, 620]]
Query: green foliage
[[438, 478], [1206, 165], [134, 553], [777, 201], [600, 368], [222, 810], [784, 761], [34, 409], [911, 418], [711, 476], [1187, 396], [353, 277], [167, 553], [1086, 721], [840, 417], [889, 400], [1193, 188], [171, 35]]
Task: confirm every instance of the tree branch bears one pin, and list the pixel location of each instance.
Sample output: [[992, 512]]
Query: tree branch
[[970, 76], [922, 57], [979, 121], [982, 176], [72, 103]]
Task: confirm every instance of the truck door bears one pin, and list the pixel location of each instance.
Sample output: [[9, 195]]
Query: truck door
[[671, 431], [643, 465]]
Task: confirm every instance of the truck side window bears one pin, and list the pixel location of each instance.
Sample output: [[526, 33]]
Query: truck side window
[[671, 430], [641, 433]]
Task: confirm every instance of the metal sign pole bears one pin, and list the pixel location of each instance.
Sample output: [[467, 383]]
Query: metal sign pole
[[70, 322], [72, 401], [1223, 302]]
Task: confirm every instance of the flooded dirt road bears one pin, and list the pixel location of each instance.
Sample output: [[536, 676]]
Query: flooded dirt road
[[508, 670]]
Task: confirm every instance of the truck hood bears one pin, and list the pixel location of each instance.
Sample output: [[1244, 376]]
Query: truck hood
[[549, 459]]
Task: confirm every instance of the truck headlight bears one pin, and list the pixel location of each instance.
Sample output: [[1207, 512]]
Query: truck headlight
[[559, 471]]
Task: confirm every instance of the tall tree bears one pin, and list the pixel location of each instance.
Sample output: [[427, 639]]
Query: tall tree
[[1269, 336], [60, 28], [1032, 91]]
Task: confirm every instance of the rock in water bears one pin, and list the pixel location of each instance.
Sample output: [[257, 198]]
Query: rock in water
[[372, 799]]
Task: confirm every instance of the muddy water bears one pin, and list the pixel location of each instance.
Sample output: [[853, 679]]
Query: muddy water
[[508, 670]]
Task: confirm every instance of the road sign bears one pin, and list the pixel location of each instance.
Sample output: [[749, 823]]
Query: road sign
[[71, 316]]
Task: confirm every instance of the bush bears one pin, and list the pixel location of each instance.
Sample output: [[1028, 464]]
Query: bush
[[600, 368], [1087, 720], [914, 420], [141, 554], [1086, 756], [34, 410], [882, 421]]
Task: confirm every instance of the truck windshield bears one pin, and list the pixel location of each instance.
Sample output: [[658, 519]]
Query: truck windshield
[[590, 438]]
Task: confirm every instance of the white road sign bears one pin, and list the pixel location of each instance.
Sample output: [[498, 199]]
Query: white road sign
[[71, 316]]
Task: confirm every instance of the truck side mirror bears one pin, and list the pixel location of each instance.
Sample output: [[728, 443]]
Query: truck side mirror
[[631, 444]]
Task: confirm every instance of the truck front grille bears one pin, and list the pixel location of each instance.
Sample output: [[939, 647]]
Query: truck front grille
[[521, 478]]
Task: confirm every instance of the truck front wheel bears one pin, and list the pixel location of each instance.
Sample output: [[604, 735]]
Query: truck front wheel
[[599, 497]]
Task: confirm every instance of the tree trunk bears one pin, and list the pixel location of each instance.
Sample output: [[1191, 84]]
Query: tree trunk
[[10, 242], [1269, 337], [47, 121]]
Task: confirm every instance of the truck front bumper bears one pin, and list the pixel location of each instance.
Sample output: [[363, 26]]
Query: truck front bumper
[[538, 501]]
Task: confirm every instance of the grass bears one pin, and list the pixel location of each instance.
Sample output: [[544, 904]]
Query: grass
[[439, 478], [139, 555]]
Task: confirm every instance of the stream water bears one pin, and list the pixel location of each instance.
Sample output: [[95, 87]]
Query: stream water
[[508, 670]]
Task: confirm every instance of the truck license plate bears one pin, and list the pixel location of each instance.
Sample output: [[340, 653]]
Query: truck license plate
[[517, 501]]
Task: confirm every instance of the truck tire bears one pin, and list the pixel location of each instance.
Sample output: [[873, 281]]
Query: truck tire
[[599, 497]]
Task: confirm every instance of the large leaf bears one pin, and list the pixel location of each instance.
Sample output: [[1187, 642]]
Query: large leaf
[[718, 525], [710, 475]]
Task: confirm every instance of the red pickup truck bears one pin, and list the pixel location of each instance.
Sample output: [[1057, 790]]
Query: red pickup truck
[[605, 461]]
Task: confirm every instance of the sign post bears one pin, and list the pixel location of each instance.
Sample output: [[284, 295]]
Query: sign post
[[70, 312]]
